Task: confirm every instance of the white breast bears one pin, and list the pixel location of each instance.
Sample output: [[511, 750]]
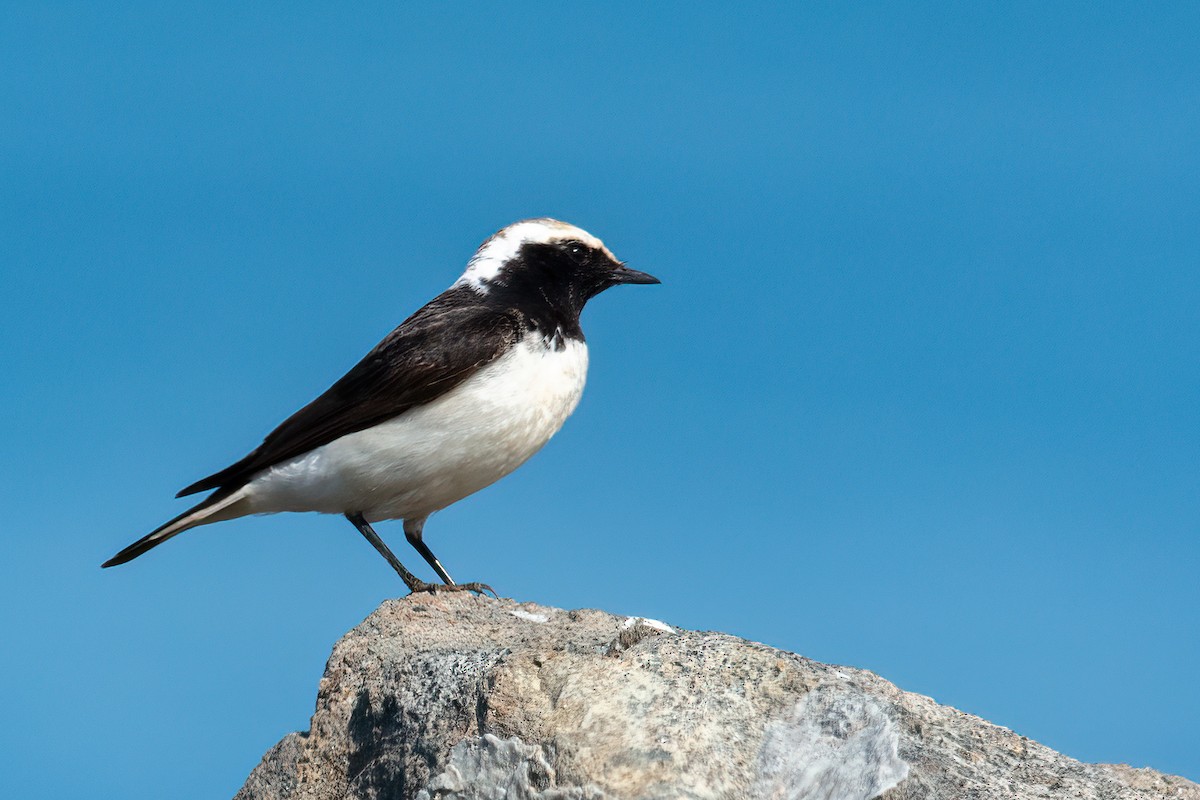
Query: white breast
[[438, 453]]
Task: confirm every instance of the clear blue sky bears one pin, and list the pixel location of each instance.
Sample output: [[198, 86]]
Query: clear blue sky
[[919, 392]]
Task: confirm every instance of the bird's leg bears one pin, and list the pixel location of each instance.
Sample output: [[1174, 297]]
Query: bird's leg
[[412, 532], [413, 583]]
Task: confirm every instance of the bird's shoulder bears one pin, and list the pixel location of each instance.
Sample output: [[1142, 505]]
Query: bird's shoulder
[[447, 338]]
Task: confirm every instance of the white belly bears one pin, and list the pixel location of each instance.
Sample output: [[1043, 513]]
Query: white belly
[[438, 453]]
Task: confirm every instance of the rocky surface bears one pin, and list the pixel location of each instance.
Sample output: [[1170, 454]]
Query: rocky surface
[[456, 696]]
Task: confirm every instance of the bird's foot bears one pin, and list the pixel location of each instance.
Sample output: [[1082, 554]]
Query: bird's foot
[[434, 588]]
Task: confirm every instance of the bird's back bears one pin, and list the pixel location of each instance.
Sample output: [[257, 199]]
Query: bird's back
[[439, 347]]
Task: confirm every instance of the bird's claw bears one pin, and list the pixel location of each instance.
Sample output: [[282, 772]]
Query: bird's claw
[[434, 588], [476, 586]]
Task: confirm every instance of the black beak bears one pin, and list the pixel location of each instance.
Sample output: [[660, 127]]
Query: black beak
[[624, 274]]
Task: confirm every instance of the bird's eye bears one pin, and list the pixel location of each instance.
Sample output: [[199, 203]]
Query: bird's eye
[[577, 250]]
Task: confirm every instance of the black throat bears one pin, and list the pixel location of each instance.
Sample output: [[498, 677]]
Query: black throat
[[548, 289]]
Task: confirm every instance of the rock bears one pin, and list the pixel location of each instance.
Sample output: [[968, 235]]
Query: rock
[[457, 697]]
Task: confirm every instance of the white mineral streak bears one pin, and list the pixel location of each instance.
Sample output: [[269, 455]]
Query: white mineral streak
[[833, 744]]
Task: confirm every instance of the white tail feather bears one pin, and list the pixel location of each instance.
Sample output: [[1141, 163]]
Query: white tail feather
[[202, 515]]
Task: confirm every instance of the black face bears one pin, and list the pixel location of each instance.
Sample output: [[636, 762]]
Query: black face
[[564, 275]]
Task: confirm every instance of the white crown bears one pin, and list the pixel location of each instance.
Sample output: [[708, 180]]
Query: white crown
[[502, 247]]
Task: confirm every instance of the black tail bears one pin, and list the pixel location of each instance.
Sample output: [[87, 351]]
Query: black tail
[[233, 474], [188, 519]]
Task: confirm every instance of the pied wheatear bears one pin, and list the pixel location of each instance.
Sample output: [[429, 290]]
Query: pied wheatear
[[457, 397]]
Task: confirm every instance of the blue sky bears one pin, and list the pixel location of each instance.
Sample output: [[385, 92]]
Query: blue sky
[[918, 392]]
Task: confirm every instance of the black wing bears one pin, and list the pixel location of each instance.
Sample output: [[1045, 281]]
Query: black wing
[[433, 351]]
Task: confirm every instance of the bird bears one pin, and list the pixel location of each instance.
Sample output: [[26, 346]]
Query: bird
[[462, 393]]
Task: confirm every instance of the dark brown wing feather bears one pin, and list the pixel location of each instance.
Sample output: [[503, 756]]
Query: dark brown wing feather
[[433, 351]]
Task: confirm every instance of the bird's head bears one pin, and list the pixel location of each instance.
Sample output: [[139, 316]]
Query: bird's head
[[547, 259]]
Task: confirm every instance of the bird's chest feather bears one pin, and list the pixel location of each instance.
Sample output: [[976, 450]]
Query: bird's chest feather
[[520, 400], [438, 453]]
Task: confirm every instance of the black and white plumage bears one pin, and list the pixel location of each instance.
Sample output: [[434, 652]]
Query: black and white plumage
[[461, 394]]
